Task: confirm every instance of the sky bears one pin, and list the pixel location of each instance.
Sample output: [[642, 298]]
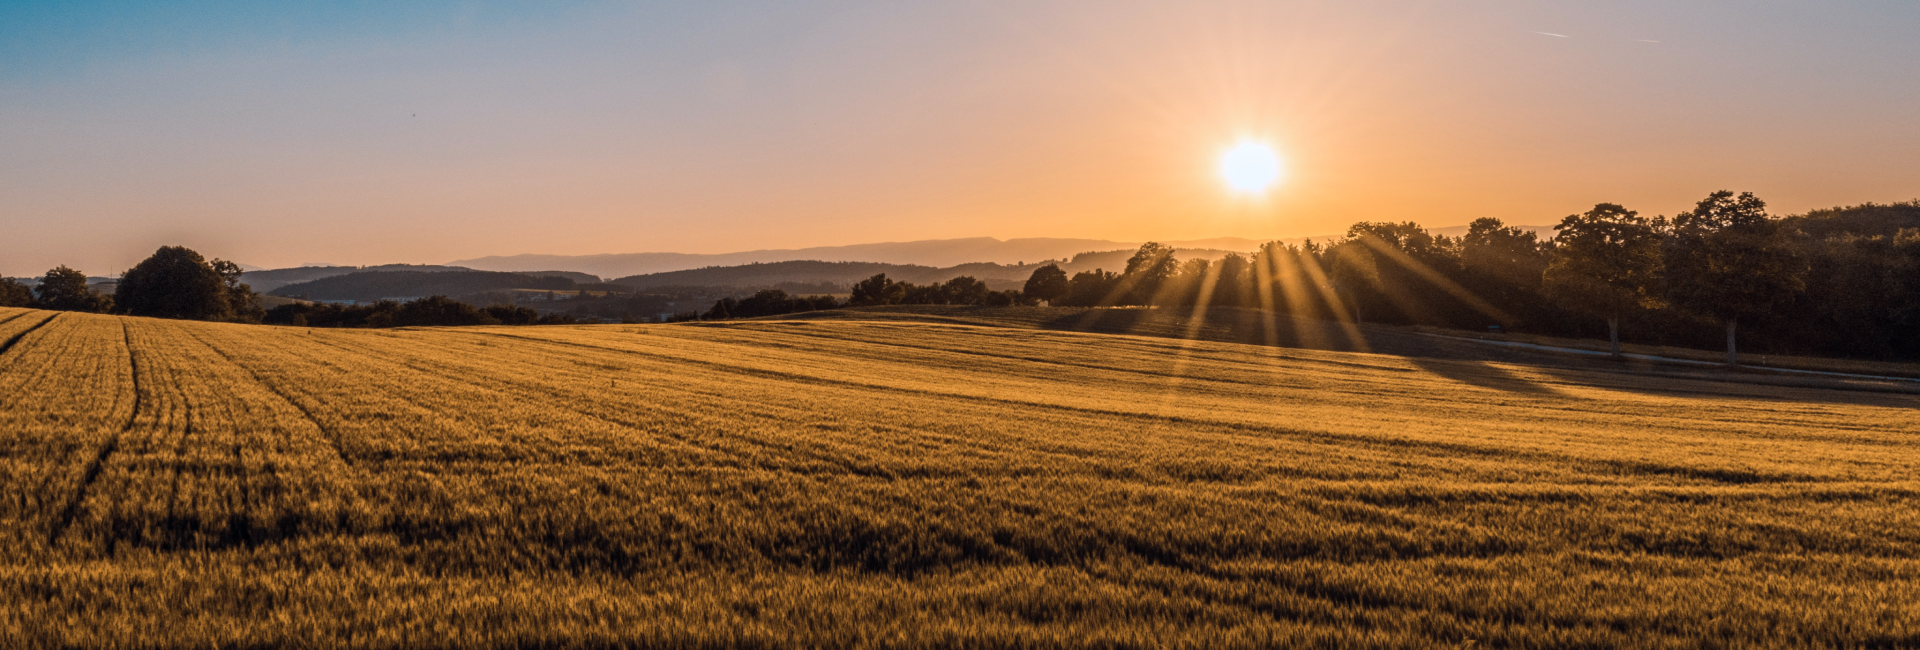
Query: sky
[[280, 134]]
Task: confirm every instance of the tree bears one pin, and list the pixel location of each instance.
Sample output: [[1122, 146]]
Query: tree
[[1605, 262], [240, 297], [965, 290], [1047, 283], [1355, 272], [1183, 289], [1091, 289], [436, 311], [1147, 271], [1728, 259], [64, 289], [765, 302], [876, 290], [1293, 279], [1232, 281], [1504, 265], [14, 293], [174, 282]]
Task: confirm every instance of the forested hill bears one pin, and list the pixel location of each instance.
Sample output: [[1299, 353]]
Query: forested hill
[[998, 276], [270, 280], [1865, 220], [379, 285]]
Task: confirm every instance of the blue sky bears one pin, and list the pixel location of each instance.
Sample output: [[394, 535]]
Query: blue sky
[[283, 133]]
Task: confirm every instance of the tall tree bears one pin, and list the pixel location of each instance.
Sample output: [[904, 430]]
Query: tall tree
[[1503, 264], [1392, 267], [1232, 284], [1292, 279], [240, 296], [1183, 289], [14, 293], [1728, 259], [1604, 263], [876, 290], [1096, 288], [64, 289], [1354, 272], [174, 282], [964, 290], [1147, 271], [1047, 283]]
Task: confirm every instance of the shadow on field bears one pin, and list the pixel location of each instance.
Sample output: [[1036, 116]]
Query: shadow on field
[[1461, 360], [1484, 375]]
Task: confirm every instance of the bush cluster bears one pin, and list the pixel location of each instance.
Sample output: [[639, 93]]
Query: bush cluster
[[424, 312]]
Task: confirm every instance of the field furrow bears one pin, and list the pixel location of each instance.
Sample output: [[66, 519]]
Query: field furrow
[[70, 395]]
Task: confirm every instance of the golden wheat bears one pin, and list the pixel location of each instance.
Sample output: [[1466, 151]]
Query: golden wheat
[[916, 484]]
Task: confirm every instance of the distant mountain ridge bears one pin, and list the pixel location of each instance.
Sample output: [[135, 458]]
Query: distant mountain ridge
[[1000, 263], [842, 275], [933, 252]]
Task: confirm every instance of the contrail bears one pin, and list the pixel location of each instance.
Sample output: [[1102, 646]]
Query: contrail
[[1553, 34], [1647, 41]]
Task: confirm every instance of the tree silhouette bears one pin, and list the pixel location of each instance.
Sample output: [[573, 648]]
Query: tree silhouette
[[440, 311], [64, 289], [1094, 288], [1232, 281], [1355, 272], [1147, 271], [1184, 288], [1047, 283], [1728, 259], [1605, 262], [1504, 265], [13, 293], [965, 290], [876, 290], [240, 297], [174, 282]]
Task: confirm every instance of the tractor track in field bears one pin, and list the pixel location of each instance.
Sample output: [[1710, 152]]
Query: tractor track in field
[[332, 437], [99, 462], [15, 339], [14, 317]]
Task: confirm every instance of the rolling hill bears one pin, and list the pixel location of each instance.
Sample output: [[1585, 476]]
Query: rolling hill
[[367, 286], [870, 483], [839, 274], [843, 274], [270, 281], [935, 253]]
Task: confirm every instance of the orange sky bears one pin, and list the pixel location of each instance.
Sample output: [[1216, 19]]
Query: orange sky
[[444, 133]]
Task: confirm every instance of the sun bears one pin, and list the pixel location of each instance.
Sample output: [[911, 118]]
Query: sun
[[1250, 167]]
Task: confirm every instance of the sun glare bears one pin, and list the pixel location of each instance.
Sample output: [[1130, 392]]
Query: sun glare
[[1250, 167]]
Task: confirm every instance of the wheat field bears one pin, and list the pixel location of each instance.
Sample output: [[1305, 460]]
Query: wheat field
[[847, 483]]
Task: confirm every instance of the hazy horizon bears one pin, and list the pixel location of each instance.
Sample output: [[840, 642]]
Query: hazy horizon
[[279, 136]]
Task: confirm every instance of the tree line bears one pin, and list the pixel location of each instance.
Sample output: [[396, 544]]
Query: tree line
[[176, 282], [431, 311], [1844, 281]]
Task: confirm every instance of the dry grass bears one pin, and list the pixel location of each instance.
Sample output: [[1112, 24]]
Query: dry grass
[[912, 484]]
